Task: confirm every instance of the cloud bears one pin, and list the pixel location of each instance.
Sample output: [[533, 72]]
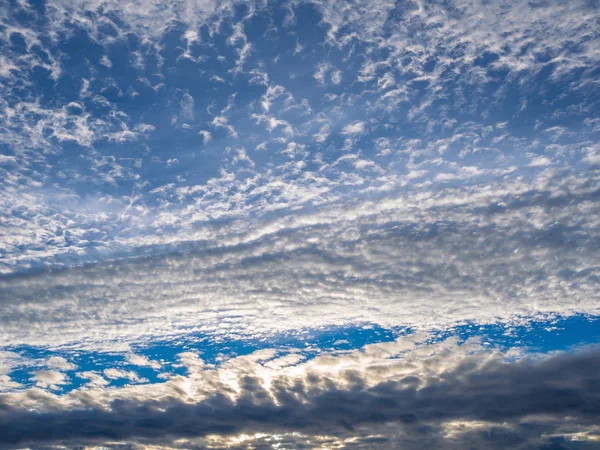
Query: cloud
[[51, 379], [59, 363], [540, 161], [402, 392], [206, 136], [8, 384], [187, 106], [354, 128], [116, 374], [169, 170], [95, 379], [142, 361], [336, 76], [321, 72], [421, 259], [323, 134], [8, 362], [105, 61]]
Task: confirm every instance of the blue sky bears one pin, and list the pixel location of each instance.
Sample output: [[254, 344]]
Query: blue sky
[[201, 192]]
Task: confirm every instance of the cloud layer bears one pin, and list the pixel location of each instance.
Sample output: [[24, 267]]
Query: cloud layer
[[404, 393], [478, 254], [237, 171]]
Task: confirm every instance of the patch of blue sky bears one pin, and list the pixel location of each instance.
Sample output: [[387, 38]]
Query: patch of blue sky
[[535, 337]]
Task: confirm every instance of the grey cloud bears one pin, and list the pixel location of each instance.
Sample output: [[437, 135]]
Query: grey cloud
[[490, 403]]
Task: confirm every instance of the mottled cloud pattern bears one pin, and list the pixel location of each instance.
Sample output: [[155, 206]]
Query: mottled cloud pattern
[[239, 176]]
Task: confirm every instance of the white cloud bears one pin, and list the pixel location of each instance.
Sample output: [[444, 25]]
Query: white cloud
[[336, 76], [540, 161], [206, 136], [386, 81], [187, 106], [49, 379], [321, 72], [7, 384], [116, 374], [105, 61], [142, 361], [354, 128], [6, 67], [95, 379], [323, 134], [59, 363]]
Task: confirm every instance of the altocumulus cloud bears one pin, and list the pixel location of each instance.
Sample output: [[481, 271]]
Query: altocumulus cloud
[[504, 252], [241, 175]]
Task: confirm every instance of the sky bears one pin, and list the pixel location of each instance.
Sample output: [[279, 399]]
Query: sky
[[300, 224]]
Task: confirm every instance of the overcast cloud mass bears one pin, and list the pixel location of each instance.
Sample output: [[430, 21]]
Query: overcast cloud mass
[[300, 224]]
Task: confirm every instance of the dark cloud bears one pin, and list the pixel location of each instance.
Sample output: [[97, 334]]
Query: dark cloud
[[500, 404]]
